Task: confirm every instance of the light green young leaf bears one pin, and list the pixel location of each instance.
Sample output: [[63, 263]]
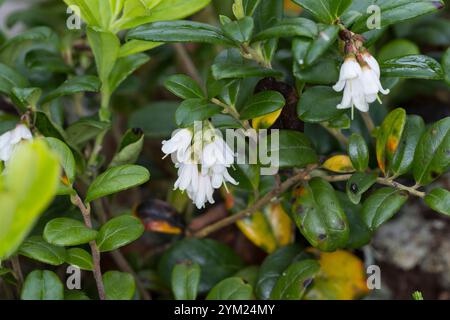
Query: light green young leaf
[[29, 186], [74, 85], [66, 158], [124, 67]]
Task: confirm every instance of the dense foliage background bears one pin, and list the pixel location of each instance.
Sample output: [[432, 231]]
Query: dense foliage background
[[102, 98]]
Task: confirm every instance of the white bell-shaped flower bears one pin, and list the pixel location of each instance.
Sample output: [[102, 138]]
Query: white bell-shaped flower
[[350, 70], [10, 139], [178, 144]]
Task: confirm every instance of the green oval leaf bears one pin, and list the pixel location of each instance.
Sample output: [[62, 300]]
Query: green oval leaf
[[79, 258], [358, 184], [74, 85], [319, 216], [295, 280], [261, 104], [381, 206], [180, 31], [119, 232], [318, 104], [404, 156], [36, 248], [233, 288], [439, 200], [325, 10], [192, 110], [185, 281], [117, 179], [227, 70], [42, 285], [272, 268], [66, 158], [432, 156], [289, 27], [217, 261], [119, 285], [68, 232], [412, 66], [184, 87], [358, 152]]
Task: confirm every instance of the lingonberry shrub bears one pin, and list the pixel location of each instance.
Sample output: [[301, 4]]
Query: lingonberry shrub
[[289, 132]]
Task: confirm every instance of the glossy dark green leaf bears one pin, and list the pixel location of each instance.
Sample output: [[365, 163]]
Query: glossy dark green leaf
[[432, 156], [9, 79], [124, 67], [324, 71], [325, 10], [192, 110], [42, 285], [233, 288], [397, 48], [319, 216], [235, 70], [249, 275], [381, 206], [318, 104], [68, 232], [358, 152], [359, 233], [84, 130], [240, 30], [289, 27], [439, 200], [119, 285], [25, 97], [185, 280], [80, 258], [358, 184], [183, 87], [326, 37], [412, 66], [119, 232], [217, 261], [292, 149], [404, 156], [157, 120], [272, 268], [180, 31], [74, 85], [117, 179], [395, 11], [38, 249], [295, 280], [261, 104]]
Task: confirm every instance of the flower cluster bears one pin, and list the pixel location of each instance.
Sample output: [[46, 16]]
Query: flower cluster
[[359, 76], [10, 139], [202, 160]]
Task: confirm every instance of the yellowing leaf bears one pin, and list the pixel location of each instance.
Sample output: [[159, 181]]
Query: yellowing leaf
[[266, 121], [341, 277], [269, 229], [388, 137], [339, 164], [291, 9]]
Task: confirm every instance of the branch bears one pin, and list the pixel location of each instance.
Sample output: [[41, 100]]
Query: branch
[[368, 121], [86, 212], [268, 198], [187, 63], [343, 140]]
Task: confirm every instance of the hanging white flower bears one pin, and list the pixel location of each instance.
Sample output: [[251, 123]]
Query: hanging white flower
[[361, 85], [178, 144], [10, 139], [202, 164]]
